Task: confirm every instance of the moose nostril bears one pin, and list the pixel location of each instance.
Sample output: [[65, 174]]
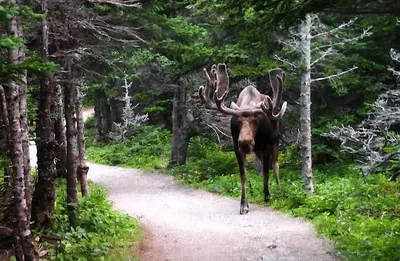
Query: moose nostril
[[246, 146]]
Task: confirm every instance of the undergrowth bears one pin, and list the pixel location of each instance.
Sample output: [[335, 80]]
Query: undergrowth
[[148, 149], [361, 215], [102, 233]]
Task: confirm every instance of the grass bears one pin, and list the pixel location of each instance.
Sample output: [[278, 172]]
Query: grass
[[102, 233], [361, 215]]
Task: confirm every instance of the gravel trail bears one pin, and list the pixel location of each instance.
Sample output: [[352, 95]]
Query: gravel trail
[[182, 223]]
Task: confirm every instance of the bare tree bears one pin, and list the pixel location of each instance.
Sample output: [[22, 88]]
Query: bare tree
[[375, 141], [130, 119], [304, 41]]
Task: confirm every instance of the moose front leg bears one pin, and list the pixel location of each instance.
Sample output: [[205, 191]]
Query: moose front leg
[[244, 204]]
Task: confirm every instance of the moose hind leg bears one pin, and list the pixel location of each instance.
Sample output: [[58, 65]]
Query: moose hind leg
[[266, 166], [275, 165], [275, 168]]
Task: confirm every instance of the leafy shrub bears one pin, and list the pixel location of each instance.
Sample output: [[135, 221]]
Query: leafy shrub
[[205, 161], [360, 215], [100, 229], [149, 148]]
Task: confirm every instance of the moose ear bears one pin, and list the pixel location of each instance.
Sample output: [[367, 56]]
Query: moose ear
[[234, 106], [267, 103]]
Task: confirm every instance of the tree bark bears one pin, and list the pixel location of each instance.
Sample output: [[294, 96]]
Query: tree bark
[[83, 168], [106, 119], [305, 104], [181, 126], [18, 133], [5, 143], [97, 124], [44, 196], [101, 114], [72, 155], [115, 115], [60, 135], [3, 124], [22, 232], [23, 89]]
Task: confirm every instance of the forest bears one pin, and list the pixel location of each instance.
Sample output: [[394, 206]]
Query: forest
[[130, 83]]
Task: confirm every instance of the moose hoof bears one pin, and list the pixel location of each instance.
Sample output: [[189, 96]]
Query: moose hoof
[[266, 199], [244, 210]]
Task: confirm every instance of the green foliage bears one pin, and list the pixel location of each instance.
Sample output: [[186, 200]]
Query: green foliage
[[101, 232], [205, 161], [10, 42], [89, 126], [149, 148]]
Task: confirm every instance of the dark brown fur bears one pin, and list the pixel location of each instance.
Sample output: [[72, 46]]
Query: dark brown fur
[[258, 134], [254, 123]]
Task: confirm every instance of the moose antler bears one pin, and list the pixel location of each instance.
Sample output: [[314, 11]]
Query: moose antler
[[221, 84], [277, 91], [204, 92]]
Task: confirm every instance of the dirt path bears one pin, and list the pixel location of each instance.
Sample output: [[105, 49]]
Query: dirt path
[[186, 224]]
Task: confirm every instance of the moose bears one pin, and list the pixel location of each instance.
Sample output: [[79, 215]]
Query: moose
[[254, 122]]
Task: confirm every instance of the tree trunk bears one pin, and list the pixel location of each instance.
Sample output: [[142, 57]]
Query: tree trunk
[[60, 135], [3, 124], [97, 124], [83, 168], [101, 114], [72, 155], [106, 119], [305, 105], [5, 144], [18, 137], [23, 89], [114, 115], [181, 127], [44, 196]]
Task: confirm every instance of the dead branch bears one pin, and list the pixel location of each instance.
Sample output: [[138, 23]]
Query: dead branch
[[334, 75]]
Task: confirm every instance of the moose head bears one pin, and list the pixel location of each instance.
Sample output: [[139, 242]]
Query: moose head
[[254, 123]]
